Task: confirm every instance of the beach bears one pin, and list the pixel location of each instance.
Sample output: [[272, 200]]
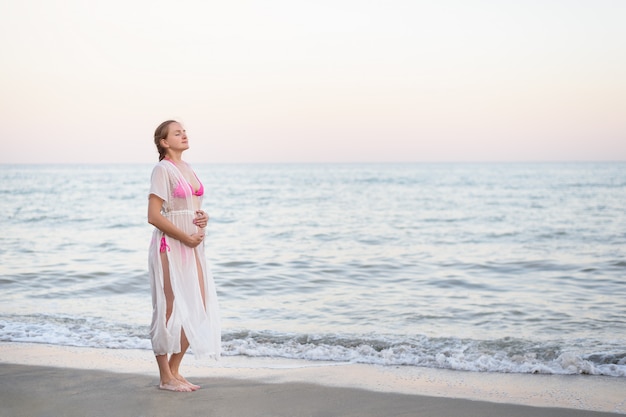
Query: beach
[[365, 289], [46, 380]]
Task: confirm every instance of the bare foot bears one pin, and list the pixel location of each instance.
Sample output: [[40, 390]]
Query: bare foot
[[175, 385], [193, 387]]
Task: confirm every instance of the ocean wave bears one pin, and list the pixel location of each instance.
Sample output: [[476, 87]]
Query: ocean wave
[[506, 355], [70, 331]]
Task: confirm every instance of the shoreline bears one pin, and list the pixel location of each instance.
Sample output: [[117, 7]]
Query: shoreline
[[356, 381], [29, 390]]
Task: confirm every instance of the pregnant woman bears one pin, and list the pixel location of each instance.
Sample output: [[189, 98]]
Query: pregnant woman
[[184, 302]]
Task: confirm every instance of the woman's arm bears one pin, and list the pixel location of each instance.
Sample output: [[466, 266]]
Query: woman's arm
[[156, 219]]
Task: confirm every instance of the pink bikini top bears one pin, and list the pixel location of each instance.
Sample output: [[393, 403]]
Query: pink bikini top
[[179, 191]]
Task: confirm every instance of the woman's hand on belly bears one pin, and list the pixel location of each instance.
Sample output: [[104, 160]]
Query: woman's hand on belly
[[194, 239], [201, 219]]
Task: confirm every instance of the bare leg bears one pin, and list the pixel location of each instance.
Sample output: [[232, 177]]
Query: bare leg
[[176, 359], [169, 380], [200, 279]]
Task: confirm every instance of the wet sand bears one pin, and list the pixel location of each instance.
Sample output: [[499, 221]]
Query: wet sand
[[125, 383]]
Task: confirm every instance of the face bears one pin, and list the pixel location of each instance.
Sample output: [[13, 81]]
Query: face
[[176, 139]]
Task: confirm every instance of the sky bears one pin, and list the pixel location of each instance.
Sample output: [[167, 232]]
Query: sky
[[314, 81]]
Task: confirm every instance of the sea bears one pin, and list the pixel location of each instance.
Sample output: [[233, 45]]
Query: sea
[[479, 267]]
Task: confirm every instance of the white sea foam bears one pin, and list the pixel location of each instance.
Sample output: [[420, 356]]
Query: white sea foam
[[449, 353]]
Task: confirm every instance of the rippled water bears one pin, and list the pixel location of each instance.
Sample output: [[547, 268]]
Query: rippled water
[[497, 267]]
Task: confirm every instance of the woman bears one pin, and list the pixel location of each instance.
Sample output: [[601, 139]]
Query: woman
[[185, 310]]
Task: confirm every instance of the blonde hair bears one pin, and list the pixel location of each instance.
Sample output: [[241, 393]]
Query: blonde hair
[[161, 133]]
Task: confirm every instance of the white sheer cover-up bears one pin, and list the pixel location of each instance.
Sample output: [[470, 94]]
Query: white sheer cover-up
[[200, 323]]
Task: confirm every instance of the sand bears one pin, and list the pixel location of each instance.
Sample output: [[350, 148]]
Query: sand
[[44, 380]]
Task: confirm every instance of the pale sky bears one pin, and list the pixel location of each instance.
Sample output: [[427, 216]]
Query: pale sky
[[314, 81]]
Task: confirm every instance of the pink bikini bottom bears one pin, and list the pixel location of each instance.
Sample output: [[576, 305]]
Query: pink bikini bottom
[[164, 246]]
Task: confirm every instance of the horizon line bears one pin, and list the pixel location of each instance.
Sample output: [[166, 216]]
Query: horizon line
[[573, 161]]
